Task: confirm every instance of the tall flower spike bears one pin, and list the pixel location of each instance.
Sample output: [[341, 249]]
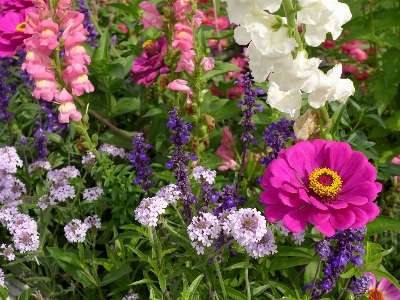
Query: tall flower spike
[[140, 161]]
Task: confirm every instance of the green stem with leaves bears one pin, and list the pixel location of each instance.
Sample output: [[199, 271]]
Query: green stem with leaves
[[291, 20], [96, 25], [246, 276]]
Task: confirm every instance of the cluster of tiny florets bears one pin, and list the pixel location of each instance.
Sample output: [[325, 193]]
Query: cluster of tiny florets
[[75, 231], [170, 193], [204, 174], [149, 209], [131, 296], [9, 160], [113, 151], [203, 230], [91, 194], [93, 222]]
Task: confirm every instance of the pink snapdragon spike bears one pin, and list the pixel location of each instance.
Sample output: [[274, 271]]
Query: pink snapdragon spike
[[74, 52], [146, 68], [183, 39], [67, 107], [198, 18], [324, 183], [358, 54], [181, 7], [12, 35], [42, 9], [75, 74], [47, 31], [225, 151], [62, 9], [46, 84], [348, 46], [207, 63], [383, 291], [151, 16], [181, 85], [186, 62]]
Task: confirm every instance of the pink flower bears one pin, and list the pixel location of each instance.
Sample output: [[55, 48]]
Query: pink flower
[[146, 68], [74, 52], [48, 31], [73, 24], [346, 47], [324, 183], [384, 291], [396, 160], [12, 32], [62, 9], [350, 69], [329, 44], [183, 39], [186, 62], [42, 9], [181, 85], [223, 23], [150, 17], [67, 108], [364, 75], [358, 54], [123, 28], [181, 7], [208, 63], [214, 43], [198, 18], [46, 85], [76, 75], [15, 5], [225, 151]]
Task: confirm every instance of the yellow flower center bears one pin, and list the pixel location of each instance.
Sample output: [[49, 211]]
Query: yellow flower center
[[21, 26], [325, 184], [66, 107], [375, 295], [147, 44]]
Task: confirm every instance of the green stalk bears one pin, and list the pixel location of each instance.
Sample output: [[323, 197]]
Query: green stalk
[[221, 282], [246, 276], [291, 20], [324, 114]]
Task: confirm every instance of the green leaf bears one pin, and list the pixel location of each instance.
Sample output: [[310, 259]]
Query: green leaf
[[386, 275], [285, 289], [113, 138], [289, 251], [235, 294], [382, 223], [228, 111], [54, 137], [114, 69], [336, 117], [153, 112], [100, 56], [80, 275], [142, 281], [309, 272], [220, 68], [378, 118], [115, 275], [240, 265], [124, 8], [258, 290], [26, 295], [391, 66], [349, 273], [126, 105], [283, 263], [4, 294], [64, 255], [390, 168]]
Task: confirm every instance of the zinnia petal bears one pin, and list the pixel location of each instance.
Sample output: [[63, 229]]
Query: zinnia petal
[[296, 220], [342, 219], [326, 228]]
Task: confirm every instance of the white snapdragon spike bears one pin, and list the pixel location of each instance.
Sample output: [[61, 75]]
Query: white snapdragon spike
[[238, 9], [258, 27], [328, 87], [295, 78], [321, 17], [261, 65], [287, 102]]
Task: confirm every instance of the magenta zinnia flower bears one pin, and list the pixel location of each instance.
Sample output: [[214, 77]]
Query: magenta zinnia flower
[[147, 67], [384, 291], [324, 183]]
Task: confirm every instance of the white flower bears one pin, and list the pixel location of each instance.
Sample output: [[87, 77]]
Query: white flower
[[238, 9], [266, 246], [170, 193], [258, 27], [201, 174], [203, 230], [321, 17], [247, 226], [75, 231], [149, 209], [328, 87], [287, 102], [261, 65], [295, 78]]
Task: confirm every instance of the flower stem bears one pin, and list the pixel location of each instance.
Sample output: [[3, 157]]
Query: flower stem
[[344, 288], [246, 276], [323, 114], [221, 282], [291, 20], [241, 167], [316, 275]]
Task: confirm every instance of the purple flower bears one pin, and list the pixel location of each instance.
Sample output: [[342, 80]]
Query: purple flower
[[360, 285], [147, 67], [88, 24], [140, 161], [91, 194], [131, 296], [8, 252], [275, 137], [113, 151], [9, 160]]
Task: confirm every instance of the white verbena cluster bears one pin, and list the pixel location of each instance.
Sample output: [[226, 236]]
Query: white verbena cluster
[[131, 296], [201, 174], [298, 237], [11, 189], [113, 151], [39, 165], [69, 172], [92, 221], [91, 194], [149, 209], [9, 160], [203, 230], [272, 51], [2, 284], [75, 231], [170, 193], [8, 252]]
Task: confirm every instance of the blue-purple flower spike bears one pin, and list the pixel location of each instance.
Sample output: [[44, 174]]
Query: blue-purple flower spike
[[275, 137], [140, 161], [250, 95], [179, 138], [88, 24]]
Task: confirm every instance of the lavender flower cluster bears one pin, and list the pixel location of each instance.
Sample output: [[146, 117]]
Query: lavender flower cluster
[[75, 231], [113, 151], [140, 161], [180, 137], [88, 24], [7, 89], [250, 95], [131, 296], [348, 248]]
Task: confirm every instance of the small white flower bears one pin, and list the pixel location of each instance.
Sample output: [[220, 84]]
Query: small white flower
[[169, 193], [75, 231], [238, 9], [287, 102], [149, 209], [266, 246], [247, 226], [203, 230], [201, 174], [9, 160]]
